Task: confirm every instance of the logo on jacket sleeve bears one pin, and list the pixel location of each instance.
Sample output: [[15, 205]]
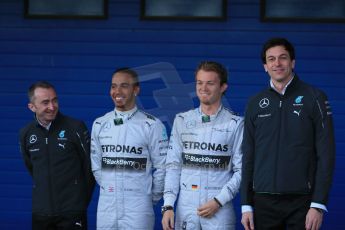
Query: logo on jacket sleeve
[[264, 102], [62, 133], [33, 139], [298, 99], [297, 112]]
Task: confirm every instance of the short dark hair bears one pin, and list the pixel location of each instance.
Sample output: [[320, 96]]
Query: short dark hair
[[130, 72], [277, 42], [214, 67], [38, 84]]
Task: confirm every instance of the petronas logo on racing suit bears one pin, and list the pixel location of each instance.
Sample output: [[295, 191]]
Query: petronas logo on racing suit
[[122, 148], [205, 146]]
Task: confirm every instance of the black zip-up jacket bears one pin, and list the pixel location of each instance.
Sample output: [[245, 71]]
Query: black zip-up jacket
[[288, 145], [58, 160]]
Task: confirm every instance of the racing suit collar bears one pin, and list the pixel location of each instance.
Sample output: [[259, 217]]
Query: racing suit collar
[[125, 115], [213, 116]]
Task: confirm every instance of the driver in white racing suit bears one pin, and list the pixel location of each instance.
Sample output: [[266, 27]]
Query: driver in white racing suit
[[204, 159], [128, 151]]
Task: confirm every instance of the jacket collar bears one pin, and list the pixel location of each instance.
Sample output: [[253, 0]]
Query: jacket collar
[[56, 120], [289, 86]]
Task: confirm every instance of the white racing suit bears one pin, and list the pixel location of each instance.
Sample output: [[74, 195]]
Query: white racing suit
[[128, 152], [204, 161]]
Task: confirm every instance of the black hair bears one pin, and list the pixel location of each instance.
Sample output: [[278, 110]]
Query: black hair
[[277, 42], [38, 84], [130, 72]]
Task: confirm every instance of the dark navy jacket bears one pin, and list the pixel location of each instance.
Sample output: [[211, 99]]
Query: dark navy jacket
[[288, 145], [58, 160]]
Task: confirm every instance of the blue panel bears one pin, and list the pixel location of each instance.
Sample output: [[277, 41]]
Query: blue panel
[[79, 57]]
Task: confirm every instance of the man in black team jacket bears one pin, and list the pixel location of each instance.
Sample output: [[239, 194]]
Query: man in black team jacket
[[56, 151], [288, 148]]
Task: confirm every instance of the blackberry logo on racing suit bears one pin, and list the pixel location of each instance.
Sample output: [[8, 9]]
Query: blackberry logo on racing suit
[[205, 146], [130, 163], [122, 148], [207, 161]]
